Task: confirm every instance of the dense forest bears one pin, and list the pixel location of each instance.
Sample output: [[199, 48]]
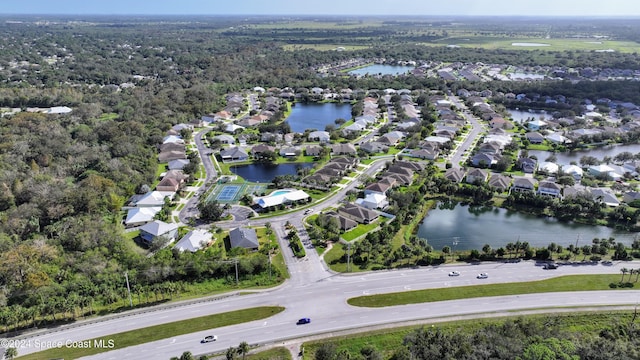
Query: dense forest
[[562, 337], [64, 178]]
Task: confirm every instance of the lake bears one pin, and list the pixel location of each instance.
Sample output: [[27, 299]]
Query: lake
[[264, 173], [316, 116], [497, 227], [382, 70], [520, 116], [565, 158]]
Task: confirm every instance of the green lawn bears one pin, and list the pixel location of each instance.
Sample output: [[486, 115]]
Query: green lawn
[[159, 332], [108, 116], [559, 284], [278, 353], [559, 44], [542, 147], [360, 230]]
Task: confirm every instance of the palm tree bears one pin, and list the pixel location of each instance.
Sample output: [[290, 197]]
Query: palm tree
[[243, 349], [446, 251], [510, 246], [231, 353], [10, 353], [637, 274], [624, 272]]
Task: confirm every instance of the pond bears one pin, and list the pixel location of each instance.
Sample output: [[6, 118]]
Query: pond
[[473, 227], [520, 116], [316, 116], [565, 158], [382, 70], [264, 173]]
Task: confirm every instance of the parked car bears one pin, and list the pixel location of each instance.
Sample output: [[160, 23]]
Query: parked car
[[454, 273], [303, 321], [209, 338], [482, 276]]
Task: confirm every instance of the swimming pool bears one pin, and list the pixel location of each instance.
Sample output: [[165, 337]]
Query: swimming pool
[[280, 192]]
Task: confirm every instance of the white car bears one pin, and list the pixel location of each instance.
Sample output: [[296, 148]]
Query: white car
[[209, 338], [482, 276], [454, 273]]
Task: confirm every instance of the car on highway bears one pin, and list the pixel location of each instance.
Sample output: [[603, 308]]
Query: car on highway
[[303, 321], [454, 273], [607, 263], [550, 266], [483, 276], [209, 338]]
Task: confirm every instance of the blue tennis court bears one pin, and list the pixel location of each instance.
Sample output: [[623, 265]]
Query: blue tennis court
[[228, 193]]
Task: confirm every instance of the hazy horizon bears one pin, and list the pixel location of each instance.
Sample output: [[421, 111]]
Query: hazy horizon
[[415, 8]]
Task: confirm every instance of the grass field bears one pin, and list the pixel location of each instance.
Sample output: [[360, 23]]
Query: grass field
[[360, 230], [559, 284], [278, 353], [560, 44], [159, 332], [322, 47]]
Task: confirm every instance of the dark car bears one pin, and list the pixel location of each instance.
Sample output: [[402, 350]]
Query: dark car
[[550, 266], [303, 321]]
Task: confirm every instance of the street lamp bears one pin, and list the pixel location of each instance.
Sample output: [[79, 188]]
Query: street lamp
[[453, 249]]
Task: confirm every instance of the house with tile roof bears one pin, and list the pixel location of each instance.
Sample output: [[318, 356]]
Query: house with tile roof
[[157, 228], [244, 238]]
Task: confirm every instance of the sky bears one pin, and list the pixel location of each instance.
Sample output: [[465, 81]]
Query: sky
[[608, 8]]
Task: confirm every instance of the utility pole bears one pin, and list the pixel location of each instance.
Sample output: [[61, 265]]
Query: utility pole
[[269, 264], [237, 281], [126, 276], [348, 257]]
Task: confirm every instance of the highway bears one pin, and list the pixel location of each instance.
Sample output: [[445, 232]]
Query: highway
[[324, 301]]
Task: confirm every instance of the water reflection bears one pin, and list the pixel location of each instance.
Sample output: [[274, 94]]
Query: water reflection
[[475, 226]]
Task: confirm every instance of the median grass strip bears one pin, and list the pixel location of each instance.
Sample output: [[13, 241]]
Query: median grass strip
[[559, 284], [279, 353], [158, 332]]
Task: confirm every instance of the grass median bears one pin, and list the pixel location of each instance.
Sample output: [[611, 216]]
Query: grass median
[[559, 284], [157, 332]]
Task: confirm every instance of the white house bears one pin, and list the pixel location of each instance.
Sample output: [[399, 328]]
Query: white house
[[373, 201], [549, 167], [194, 240], [321, 136], [574, 171], [152, 199], [141, 215], [603, 169]]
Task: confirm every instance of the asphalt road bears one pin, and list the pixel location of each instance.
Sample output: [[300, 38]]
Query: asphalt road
[[476, 129], [324, 301], [190, 210]]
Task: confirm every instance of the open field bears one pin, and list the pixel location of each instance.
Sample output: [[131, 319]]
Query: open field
[[503, 43], [323, 47], [559, 284]]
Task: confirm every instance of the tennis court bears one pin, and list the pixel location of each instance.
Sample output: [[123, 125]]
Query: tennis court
[[228, 193]]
